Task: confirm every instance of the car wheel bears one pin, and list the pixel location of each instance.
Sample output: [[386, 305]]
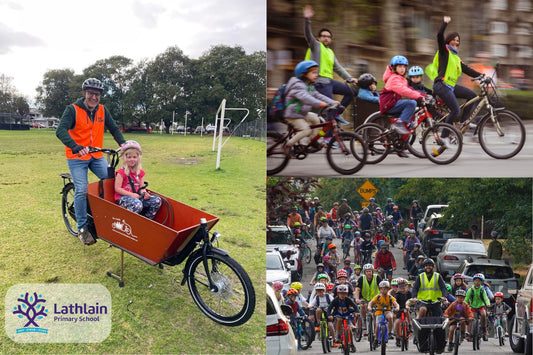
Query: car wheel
[[517, 343]]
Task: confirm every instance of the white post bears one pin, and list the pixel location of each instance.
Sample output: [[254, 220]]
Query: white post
[[186, 113], [220, 129], [172, 127], [202, 130]]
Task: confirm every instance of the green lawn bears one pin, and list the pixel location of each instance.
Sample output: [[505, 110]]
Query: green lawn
[[35, 247]]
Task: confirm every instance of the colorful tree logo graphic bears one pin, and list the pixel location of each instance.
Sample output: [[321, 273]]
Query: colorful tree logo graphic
[[31, 307]]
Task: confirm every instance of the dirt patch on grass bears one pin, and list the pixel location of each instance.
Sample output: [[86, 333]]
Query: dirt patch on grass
[[186, 161]]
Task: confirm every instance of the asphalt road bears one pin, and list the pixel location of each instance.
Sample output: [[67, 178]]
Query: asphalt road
[[473, 162], [489, 347]]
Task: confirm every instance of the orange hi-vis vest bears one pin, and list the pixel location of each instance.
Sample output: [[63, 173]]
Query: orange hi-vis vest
[[87, 133]]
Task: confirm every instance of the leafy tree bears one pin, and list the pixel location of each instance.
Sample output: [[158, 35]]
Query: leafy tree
[[54, 93], [284, 193]]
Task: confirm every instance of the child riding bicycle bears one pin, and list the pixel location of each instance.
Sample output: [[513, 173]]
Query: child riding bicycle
[[477, 298], [385, 304], [501, 309], [343, 306], [456, 311], [300, 98]]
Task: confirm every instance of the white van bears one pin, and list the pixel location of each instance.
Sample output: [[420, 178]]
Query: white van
[[430, 209]]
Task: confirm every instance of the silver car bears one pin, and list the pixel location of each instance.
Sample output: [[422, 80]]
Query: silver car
[[276, 269], [455, 251]]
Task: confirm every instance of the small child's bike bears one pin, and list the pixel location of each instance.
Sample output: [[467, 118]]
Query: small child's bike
[[218, 284]]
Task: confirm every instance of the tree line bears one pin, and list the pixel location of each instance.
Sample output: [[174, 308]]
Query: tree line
[[150, 91]]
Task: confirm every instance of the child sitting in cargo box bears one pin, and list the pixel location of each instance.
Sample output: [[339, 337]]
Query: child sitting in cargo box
[[130, 191]]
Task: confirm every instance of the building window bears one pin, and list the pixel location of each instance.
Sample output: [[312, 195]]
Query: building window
[[522, 29], [499, 50], [499, 4], [524, 52], [523, 5], [498, 27]]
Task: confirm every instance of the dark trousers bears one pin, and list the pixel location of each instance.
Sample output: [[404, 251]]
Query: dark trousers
[[450, 99], [337, 88]]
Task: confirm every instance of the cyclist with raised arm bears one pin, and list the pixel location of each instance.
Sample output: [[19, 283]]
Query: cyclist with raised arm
[[320, 52], [82, 125], [366, 288], [429, 286], [445, 71]]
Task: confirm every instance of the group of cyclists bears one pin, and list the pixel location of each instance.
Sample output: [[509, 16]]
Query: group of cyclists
[[340, 290]]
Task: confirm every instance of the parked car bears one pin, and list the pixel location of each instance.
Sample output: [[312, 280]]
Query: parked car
[[498, 274], [455, 251], [200, 129], [277, 269], [280, 238], [280, 338], [435, 234], [521, 325], [430, 209]]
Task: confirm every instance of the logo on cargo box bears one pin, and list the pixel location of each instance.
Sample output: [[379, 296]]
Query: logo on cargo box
[[121, 227]]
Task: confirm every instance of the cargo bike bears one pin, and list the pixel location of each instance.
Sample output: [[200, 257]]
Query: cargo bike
[[218, 284]]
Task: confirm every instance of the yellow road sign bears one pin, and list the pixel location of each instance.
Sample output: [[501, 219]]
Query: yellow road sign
[[367, 190]]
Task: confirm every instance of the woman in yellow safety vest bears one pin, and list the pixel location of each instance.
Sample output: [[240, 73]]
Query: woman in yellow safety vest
[[445, 71]]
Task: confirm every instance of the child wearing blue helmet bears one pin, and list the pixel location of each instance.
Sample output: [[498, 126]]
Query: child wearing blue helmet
[[414, 79], [396, 87], [301, 96]]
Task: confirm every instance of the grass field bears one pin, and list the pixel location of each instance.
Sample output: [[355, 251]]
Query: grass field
[[35, 246]]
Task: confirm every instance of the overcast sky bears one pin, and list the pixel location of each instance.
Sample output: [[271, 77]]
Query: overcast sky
[[37, 35]]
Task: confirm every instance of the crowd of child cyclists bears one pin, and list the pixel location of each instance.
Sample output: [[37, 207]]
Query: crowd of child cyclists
[[313, 85], [340, 290]]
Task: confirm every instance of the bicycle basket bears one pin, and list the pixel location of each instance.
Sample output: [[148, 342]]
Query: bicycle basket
[[424, 331]]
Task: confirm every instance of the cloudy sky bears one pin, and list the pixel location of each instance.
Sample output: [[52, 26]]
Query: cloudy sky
[[36, 35]]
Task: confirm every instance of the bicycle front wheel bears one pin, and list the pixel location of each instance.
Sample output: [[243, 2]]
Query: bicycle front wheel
[[304, 339], [502, 136], [358, 329], [307, 254], [67, 208], [377, 143], [431, 343], [433, 145], [456, 340], [277, 160], [384, 341], [346, 341], [351, 158], [233, 301], [414, 142], [324, 337]]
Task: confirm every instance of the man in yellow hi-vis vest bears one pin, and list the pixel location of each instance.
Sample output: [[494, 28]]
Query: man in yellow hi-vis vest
[[320, 52], [367, 287], [429, 286]]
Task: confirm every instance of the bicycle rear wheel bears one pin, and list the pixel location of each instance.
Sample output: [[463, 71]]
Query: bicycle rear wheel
[[233, 302], [503, 137], [277, 160], [434, 148], [307, 254], [310, 328], [377, 143], [350, 160], [67, 208]]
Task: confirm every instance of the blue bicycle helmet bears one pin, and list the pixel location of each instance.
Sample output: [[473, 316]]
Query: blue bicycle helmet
[[414, 71], [399, 59], [304, 66]]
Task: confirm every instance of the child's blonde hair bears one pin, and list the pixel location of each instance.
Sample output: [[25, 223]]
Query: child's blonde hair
[[129, 146]]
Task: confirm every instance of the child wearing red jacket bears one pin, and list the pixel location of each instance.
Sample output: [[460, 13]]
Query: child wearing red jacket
[[385, 260], [396, 86]]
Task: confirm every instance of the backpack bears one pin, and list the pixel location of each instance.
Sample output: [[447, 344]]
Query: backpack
[[277, 105]]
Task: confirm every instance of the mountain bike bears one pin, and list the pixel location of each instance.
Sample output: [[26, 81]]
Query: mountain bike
[[345, 152], [358, 334], [476, 329], [422, 140], [325, 337], [218, 284], [305, 251], [302, 336], [346, 335], [367, 257], [404, 333], [457, 334], [383, 331], [370, 327]]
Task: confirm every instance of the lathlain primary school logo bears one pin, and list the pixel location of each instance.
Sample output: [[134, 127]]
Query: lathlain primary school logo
[[58, 313], [31, 309]]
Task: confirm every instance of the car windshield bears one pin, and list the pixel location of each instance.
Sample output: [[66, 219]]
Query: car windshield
[[466, 247], [273, 262], [281, 237], [491, 271]]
